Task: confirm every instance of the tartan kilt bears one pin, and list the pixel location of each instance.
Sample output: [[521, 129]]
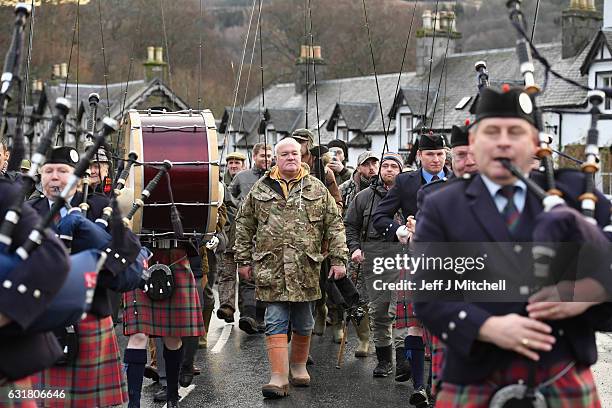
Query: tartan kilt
[[404, 315], [437, 363], [576, 389], [23, 385], [96, 378], [178, 316]]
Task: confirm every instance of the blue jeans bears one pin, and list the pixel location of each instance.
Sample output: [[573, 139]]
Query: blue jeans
[[279, 314]]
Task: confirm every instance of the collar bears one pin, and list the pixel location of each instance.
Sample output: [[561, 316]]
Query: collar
[[493, 187], [428, 176]]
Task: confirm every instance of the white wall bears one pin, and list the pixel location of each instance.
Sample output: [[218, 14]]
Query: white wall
[[607, 23]]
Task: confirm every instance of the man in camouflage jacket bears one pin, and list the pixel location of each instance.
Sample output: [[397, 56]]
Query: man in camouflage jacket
[[287, 225]]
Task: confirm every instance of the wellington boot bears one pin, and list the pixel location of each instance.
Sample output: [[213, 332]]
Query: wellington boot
[[278, 354], [363, 334], [300, 346]]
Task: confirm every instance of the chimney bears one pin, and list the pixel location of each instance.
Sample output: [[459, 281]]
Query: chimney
[[445, 30], [154, 66], [56, 71], [310, 56], [579, 24], [159, 54], [64, 70]]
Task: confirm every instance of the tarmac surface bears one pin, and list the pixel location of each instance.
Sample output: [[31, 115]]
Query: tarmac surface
[[234, 367]]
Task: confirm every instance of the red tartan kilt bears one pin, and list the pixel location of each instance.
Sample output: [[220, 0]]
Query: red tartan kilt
[[404, 315], [24, 385], [576, 389], [95, 379], [179, 316], [437, 362]]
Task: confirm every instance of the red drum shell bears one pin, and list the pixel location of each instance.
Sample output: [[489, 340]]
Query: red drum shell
[[189, 141]]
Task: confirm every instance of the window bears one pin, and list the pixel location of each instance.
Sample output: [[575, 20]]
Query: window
[[341, 130], [271, 136], [405, 130], [605, 80]]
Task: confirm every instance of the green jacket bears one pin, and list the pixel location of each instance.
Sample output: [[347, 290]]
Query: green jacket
[[287, 239]]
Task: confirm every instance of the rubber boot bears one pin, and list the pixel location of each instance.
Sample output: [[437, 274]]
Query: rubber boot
[[320, 318], [278, 354], [363, 334], [206, 314], [300, 346]]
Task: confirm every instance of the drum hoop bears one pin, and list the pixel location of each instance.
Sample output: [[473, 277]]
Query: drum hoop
[[137, 176], [213, 169]]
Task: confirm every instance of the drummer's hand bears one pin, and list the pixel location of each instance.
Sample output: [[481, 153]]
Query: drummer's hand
[[245, 272], [411, 224], [4, 320], [337, 272], [517, 333]]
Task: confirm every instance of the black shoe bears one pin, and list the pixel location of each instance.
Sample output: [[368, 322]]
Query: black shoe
[[248, 324], [186, 377], [151, 372], [226, 313], [160, 396], [310, 360], [419, 398], [402, 366], [385, 366], [173, 404]]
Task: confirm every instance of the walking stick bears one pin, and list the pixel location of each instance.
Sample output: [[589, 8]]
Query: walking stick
[[343, 342]]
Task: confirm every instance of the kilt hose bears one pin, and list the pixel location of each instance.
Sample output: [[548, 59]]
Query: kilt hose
[[95, 378], [17, 401], [178, 316], [576, 389]]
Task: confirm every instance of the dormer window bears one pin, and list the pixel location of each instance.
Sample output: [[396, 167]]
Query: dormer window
[[405, 130], [604, 79], [342, 130], [271, 135]]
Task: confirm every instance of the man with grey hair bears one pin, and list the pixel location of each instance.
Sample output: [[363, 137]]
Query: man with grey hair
[[287, 225]]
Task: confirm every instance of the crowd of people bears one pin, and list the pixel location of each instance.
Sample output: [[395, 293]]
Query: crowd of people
[[293, 228]]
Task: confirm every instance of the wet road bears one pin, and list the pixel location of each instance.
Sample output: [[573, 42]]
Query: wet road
[[234, 367]]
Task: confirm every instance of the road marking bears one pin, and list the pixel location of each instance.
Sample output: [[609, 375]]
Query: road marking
[[183, 392], [227, 330]]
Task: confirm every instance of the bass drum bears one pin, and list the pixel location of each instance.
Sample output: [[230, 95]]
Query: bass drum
[[189, 140]]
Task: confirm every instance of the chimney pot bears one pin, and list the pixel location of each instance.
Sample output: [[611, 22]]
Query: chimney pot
[[56, 70], [159, 54], [304, 51], [150, 53], [427, 20], [64, 70], [317, 52]]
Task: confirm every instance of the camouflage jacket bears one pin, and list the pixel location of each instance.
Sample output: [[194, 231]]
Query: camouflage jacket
[[283, 238]]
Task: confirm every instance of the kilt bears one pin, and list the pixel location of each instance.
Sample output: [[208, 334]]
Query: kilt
[[404, 316], [96, 378], [576, 389], [20, 401], [179, 316], [437, 362]]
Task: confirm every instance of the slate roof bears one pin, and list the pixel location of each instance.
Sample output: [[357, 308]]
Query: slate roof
[[357, 116], [137, 92], [284, 120], [356, 99]]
